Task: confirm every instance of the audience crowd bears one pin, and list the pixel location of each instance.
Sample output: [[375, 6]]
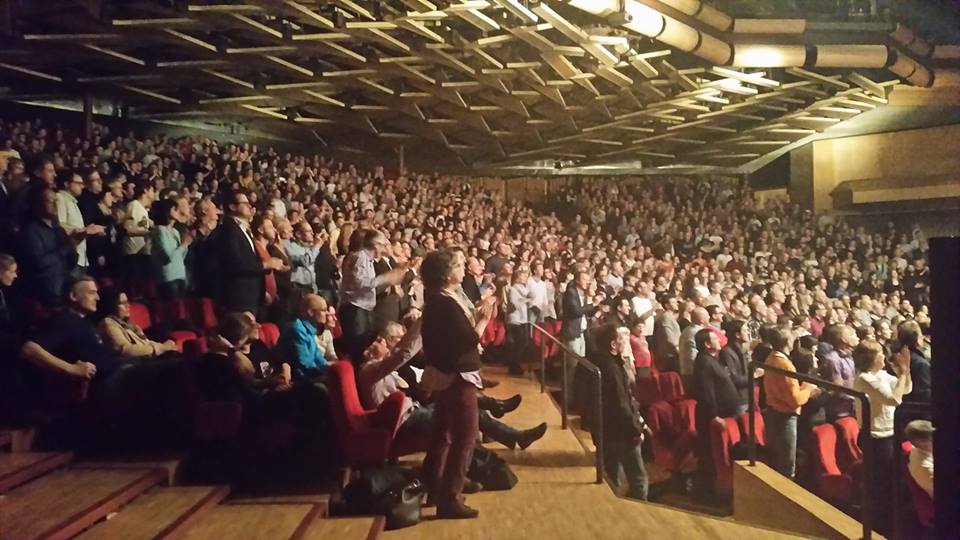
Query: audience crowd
[[675, 274]]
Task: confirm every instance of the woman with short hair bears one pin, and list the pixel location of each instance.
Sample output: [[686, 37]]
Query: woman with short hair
[[451, 346]]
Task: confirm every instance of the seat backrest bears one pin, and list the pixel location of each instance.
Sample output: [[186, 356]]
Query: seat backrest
[[647, 390], [269, 334], [671, 386], [825, 449], [204, 313], [661, 419], [848, 447], [140, 315], [348, 412]]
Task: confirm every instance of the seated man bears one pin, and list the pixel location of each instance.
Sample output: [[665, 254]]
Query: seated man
[[920, 463], [134, 395], [377, 379], [68, 343], [307, 343]]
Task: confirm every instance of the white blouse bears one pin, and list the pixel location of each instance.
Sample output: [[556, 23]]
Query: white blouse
[[883, 402]]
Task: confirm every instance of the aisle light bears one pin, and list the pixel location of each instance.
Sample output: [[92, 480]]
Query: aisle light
[[747, 55]]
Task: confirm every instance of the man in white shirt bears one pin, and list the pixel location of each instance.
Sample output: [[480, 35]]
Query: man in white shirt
[[537, 289], [137, 226], [644, 307], [68, 213]]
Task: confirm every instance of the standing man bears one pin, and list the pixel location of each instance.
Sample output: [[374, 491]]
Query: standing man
[[666, 336], [136, 244], [358, 292], [241, 269], [576, 311], [68, 213], [623, 427]]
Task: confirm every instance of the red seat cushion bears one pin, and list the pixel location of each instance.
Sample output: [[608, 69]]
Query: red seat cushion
[[182, 336]]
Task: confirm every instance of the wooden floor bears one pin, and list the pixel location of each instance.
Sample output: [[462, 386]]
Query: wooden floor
[[557, 499]]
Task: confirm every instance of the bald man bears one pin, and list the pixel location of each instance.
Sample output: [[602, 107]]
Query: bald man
[[308, 343], [688, 345]]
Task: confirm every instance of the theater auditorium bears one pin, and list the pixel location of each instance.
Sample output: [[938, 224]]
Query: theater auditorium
[[479, 269]]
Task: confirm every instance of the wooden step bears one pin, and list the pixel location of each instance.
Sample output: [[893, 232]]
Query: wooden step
[[63, 503], [170, 465], [254, 522], [18, 468], [5, 439], [347, 528], [162, 512]]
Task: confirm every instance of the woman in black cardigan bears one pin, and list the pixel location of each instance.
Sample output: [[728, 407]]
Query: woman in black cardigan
[[451, 347]]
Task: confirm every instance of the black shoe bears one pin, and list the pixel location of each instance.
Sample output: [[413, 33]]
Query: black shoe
[[486, 439], [503, 406], [531, 436], [472, 486], [457, 511]]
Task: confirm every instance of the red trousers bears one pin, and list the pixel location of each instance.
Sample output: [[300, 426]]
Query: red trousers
[[455, 432]]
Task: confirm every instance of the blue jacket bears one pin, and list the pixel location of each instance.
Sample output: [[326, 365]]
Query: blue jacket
[[298, 344]]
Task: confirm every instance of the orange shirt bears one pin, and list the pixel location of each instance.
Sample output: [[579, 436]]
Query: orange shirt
[[784, 394]]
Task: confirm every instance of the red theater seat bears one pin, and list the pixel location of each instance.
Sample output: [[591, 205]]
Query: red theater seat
[[365, 437], [647, 391], [849, 454], [269, 334], [673, 437], [171, 310], [495, 334], [723, 436], [205, 314], [182, 336], [140, 315], [833, 485]]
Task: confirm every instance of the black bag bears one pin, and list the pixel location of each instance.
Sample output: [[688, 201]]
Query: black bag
[[491, 470], [402, 506], [393, 492]]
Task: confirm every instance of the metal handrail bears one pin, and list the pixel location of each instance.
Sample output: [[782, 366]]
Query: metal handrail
[[866, 512], [593, 369]]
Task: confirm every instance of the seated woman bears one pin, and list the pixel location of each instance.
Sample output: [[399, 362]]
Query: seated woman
[[227, 373], [123, 336]]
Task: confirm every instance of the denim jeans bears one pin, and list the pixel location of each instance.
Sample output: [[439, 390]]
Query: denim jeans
[[626, 455], [781, 431], [579, 346]]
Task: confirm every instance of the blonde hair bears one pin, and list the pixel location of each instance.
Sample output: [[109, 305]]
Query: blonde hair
[[865, 355]]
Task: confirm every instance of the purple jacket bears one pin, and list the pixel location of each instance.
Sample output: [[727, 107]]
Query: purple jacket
[[837, 364]]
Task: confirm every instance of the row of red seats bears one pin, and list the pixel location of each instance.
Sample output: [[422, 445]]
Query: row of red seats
[[671, 416]]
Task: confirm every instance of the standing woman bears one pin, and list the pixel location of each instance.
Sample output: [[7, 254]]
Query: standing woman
[[264, 234], [451, 346], [170, 250], [885, 393]]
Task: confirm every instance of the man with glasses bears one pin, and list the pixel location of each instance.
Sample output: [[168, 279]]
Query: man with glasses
[[71, 219], [358, 291], [241, 270]]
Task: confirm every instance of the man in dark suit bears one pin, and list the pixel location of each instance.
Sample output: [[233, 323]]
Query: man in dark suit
[[240, 267], [576, 311]]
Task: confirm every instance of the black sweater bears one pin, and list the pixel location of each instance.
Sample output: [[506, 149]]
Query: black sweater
[[716, 394], [449, 339], [735, 360], [621, 414]]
